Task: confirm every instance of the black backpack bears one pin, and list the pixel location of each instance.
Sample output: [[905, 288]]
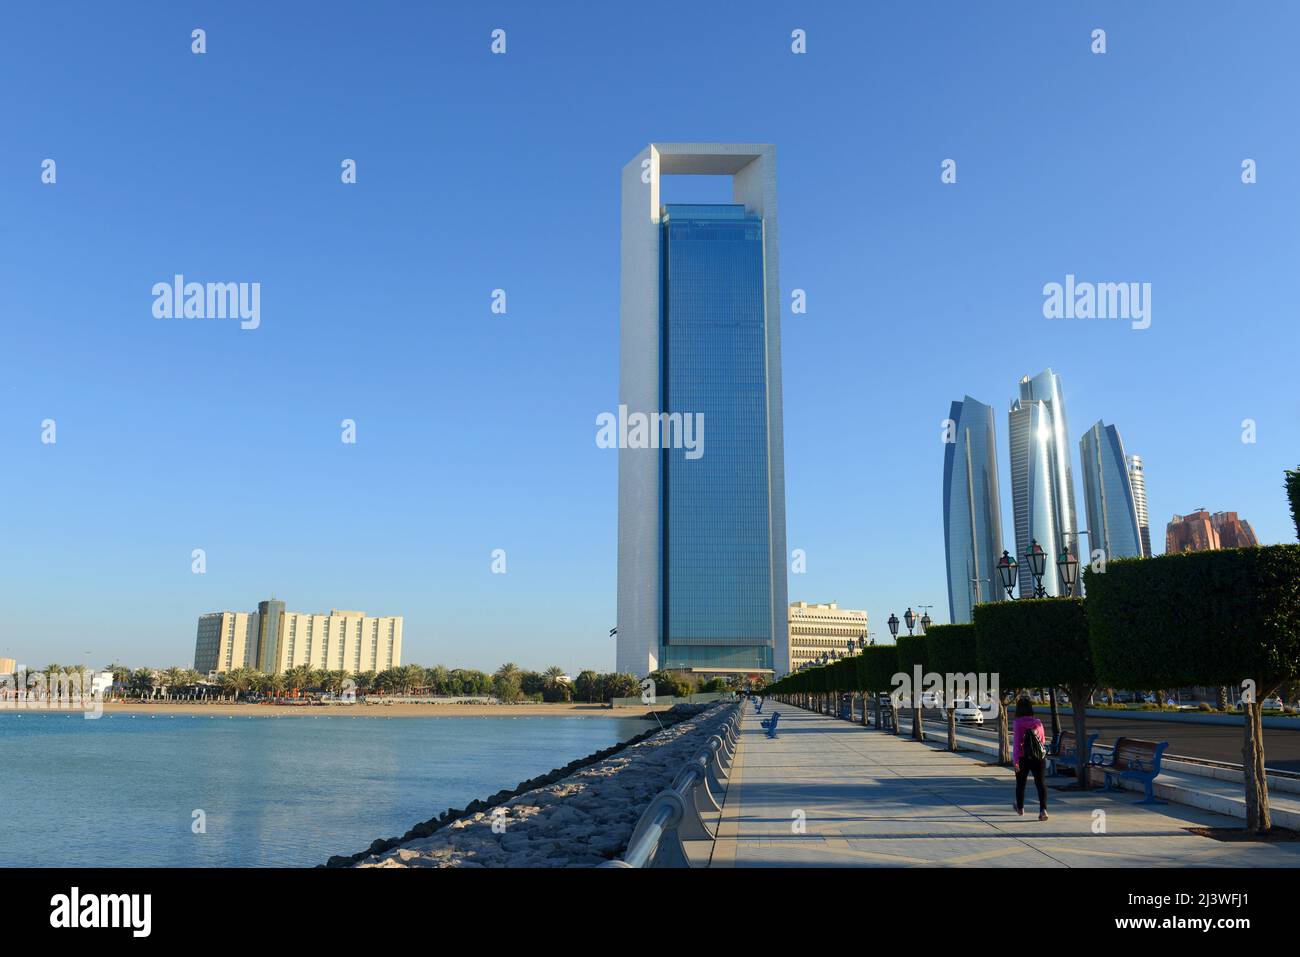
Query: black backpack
[[1032, 748]]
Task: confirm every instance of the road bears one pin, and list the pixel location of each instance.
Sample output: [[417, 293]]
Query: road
[[1214, 742]]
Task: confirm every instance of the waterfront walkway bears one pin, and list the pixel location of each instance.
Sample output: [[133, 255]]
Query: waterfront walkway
[[827, 793]]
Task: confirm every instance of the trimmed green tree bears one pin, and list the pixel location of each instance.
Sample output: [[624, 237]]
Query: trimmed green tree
[[877, 666], [951, 650], [1204, 618], [1040, 642], [911, 653]]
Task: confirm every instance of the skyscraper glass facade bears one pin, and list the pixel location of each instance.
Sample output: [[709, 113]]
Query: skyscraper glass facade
[[715, 508], [972, 509], [1042, 480], [1108, 493]]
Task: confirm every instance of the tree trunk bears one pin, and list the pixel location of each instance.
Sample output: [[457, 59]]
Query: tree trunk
[[1223, 698], [1258, 818], [952, 729], [1077, 695], [918, 733], [1056, 714], [864, 709], [1004, 753]]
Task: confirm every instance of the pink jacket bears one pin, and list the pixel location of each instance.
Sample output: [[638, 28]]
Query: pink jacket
[[1018, 730]]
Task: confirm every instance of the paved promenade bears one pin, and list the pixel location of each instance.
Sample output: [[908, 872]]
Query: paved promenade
[[826, 793]]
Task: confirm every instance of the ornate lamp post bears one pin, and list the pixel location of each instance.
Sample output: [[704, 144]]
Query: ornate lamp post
[[909, 619], [925, 622], [1037, 559], [1068, 566], [893, 631], [1008, 572]]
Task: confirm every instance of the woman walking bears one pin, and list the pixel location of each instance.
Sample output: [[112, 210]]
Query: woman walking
[[1030, 755]]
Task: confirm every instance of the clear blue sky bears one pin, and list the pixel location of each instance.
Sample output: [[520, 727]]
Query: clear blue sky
[[476, 171]]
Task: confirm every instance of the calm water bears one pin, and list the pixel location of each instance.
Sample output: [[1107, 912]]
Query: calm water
[[121, 790]]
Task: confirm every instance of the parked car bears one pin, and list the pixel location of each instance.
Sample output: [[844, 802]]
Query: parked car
[[967, 712]]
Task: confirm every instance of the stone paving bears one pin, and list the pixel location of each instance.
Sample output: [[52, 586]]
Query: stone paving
[[827, 793]]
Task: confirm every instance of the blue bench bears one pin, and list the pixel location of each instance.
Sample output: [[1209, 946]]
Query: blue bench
[[1064, 752], [1134, 759], [769, 724]]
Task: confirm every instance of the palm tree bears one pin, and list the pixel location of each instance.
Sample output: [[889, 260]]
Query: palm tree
[[143, 682], [275, 683], [436, 679], [508, 671], [173, 678]]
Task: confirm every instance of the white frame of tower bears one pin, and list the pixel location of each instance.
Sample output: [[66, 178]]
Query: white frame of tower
[[752, 167]]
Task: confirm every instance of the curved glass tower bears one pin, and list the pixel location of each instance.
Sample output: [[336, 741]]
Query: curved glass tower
[[1108, 493], [972, 509], [701, 537], [1042, 480]]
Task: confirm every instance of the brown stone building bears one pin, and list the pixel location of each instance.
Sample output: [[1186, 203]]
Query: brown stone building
[[1202, 532]]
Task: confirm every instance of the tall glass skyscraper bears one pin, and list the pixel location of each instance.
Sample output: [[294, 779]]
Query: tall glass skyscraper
[[972, 509], [1108, 494], [701, 551], [1042, 479], [1138, 479]]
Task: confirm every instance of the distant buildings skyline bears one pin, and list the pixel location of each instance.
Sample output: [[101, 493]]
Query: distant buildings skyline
[[819, 628], [273, 640], [701, 541], [1042, 491]]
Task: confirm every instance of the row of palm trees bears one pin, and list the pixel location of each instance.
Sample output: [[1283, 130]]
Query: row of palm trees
[[508, 683]]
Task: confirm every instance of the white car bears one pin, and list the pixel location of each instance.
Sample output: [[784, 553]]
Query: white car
[[967, 712]]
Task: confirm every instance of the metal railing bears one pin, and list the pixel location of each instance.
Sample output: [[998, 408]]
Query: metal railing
[[674, 814]]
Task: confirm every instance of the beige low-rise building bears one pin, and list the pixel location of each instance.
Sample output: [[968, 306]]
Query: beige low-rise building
[[816, 629], [273, 640], [8, 666]]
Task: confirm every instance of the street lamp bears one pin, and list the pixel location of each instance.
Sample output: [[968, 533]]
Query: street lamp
[[909, 618], [1068, 566], [925, 622], [1008, 570], [1037, 559], [893, 625]]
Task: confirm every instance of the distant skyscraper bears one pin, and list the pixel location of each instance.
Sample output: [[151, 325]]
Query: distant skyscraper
[[972, 509], [1138, 480], [1108, 494], [1042, 479], [701, 540]]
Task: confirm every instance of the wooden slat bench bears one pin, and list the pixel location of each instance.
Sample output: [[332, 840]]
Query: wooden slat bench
[[1134, 759], [1064, 752]]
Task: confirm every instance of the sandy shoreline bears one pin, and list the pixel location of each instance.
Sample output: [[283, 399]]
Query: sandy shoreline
[[375, 710]]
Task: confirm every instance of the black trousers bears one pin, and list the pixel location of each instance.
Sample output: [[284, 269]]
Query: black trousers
[[1022, 773]]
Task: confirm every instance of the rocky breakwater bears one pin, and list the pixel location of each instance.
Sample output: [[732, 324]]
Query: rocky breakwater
[[581, 820]]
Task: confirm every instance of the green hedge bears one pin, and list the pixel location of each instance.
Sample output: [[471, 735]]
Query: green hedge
[[911, 652], [951, 649], [1035, 642], [877, 666], [1207, 618]]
